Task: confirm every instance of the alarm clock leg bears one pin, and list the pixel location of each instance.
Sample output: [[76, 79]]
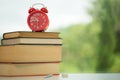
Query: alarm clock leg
[[38, 31]]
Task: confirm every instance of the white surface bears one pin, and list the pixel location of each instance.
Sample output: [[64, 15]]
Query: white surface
[[98, 76]]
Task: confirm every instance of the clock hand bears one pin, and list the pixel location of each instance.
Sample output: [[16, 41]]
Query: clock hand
[[36, 20], [37, 23]]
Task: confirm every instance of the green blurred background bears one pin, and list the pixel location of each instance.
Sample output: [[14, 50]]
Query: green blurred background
[[95, 46]]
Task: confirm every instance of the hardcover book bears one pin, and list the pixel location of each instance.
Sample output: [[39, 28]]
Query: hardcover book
[[28, 69], [36, 41], [27, 34], [47, 77], [30, 53]]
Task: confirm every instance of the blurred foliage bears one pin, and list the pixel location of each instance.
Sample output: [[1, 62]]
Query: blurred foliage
[[94, 47], [79, 48], [108, 15]]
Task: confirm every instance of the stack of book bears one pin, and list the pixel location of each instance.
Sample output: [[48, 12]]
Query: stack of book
[[30, 56]]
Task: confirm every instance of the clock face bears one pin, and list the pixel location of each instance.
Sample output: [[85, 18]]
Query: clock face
[[38, 21]]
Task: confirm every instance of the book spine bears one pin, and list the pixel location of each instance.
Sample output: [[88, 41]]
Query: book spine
[[29, 69]]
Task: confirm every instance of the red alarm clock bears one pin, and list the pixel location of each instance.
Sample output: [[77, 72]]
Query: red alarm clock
[[38, 20]]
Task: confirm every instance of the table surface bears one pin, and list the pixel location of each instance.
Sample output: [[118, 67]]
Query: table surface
[[97, 76], [84, 76]]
